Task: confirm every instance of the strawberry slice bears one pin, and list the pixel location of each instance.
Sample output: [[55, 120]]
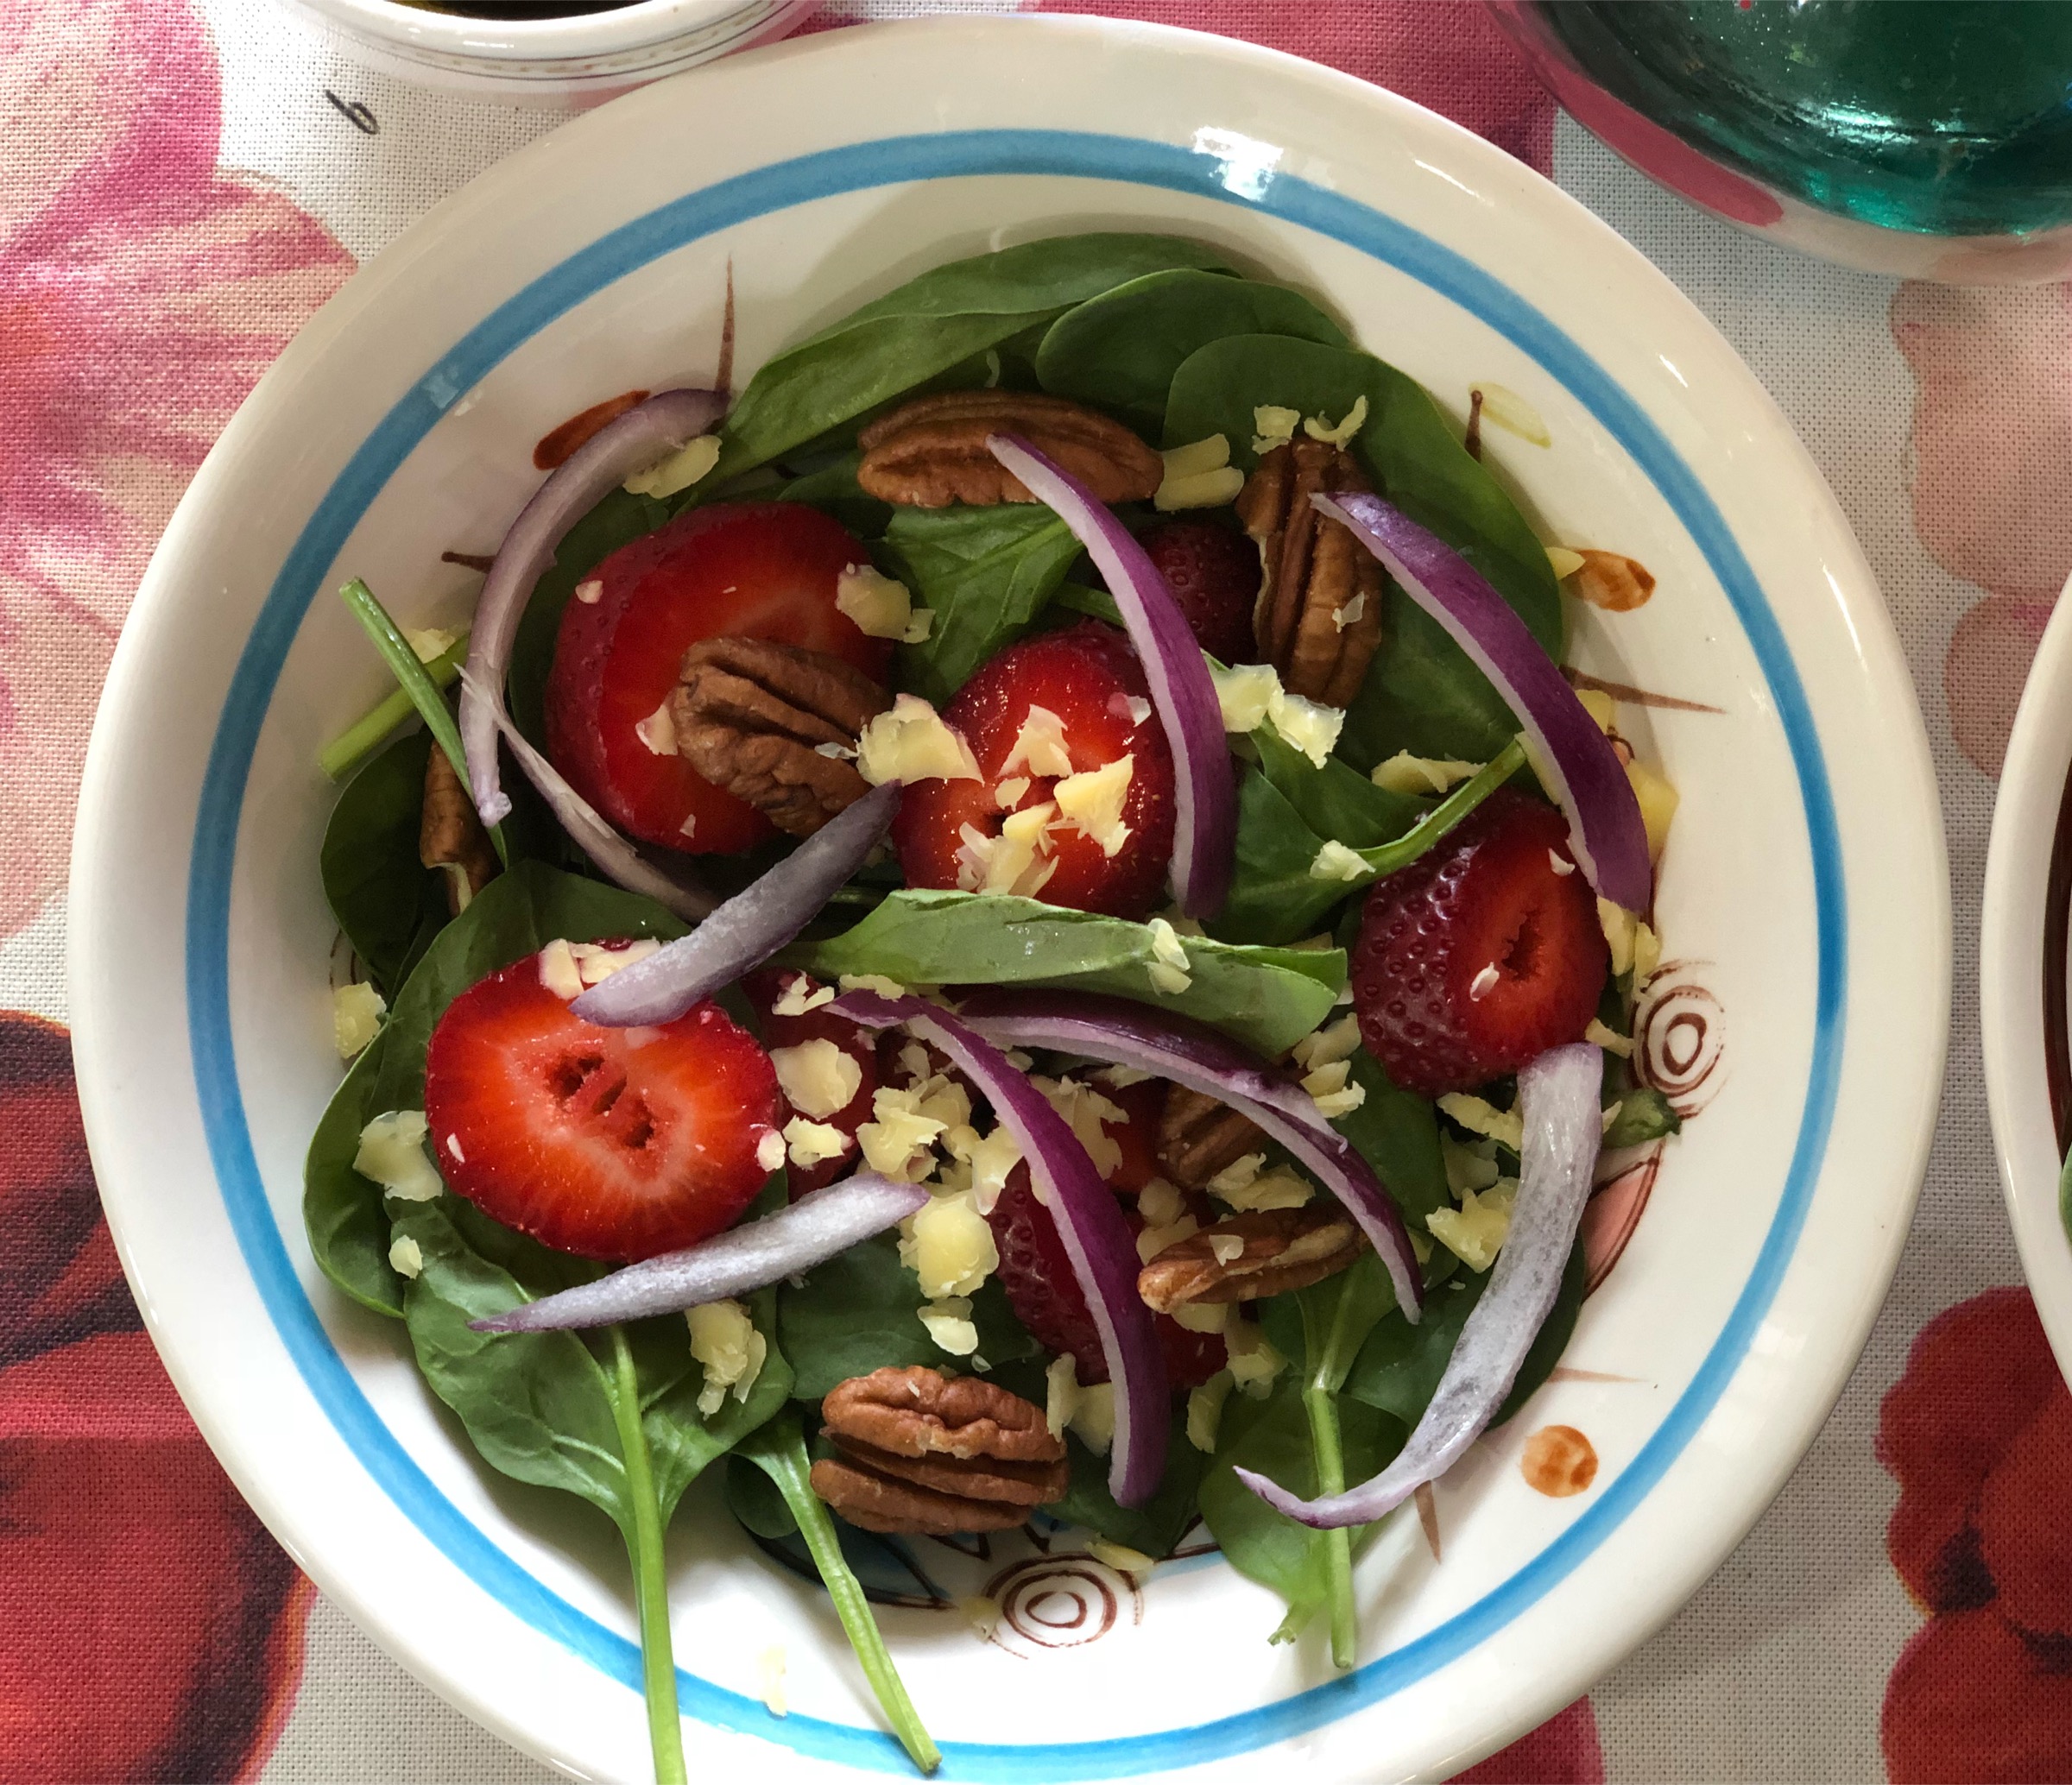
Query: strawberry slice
[[734, 570], [1214, 574], [1088, 678], [1137, 1133], [608, 1143], [772, 986], [1036, 1274], [1480, 954]]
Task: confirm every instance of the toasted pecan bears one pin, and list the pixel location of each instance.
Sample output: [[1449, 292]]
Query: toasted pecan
[[1317, 574], [450, 834], [1199, 1137], [932, 1454], [1277, 1249], [751, 716], [931, 452]]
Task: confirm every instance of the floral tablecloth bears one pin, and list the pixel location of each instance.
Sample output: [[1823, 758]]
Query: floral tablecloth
[[187, 180]]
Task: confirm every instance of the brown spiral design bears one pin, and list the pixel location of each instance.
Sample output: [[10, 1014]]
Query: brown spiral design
[[1680, 1038], [1063, 1601]]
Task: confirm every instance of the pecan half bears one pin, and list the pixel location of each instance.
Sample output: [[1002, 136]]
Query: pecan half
[[1280, 1249], [749, 714], [1199, 1137], [933, 1454], [931, 452], [1317, 574], [449, 835]]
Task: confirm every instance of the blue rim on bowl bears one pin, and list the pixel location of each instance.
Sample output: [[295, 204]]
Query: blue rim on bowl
[[774, 187]]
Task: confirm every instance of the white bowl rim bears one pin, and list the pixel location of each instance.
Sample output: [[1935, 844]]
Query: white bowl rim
[[2035, 777], [1078, 153], [639, 24]]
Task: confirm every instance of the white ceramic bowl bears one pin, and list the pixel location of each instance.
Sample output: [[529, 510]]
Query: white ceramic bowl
[[1804, 896], [570, 58], [2022, 975]]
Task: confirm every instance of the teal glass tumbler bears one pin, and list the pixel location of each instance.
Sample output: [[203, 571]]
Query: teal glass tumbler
[[1930, 139]]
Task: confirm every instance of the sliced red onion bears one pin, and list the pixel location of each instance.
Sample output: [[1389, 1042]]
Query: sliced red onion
[[748, 928], [618, 859], [1097, 1239], [641, 437], [1125, 1033], [808, 1232], [1205, 829], [1558, 1097], [1604, 832]]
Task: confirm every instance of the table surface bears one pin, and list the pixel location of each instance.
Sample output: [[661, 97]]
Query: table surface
[[188, 180]]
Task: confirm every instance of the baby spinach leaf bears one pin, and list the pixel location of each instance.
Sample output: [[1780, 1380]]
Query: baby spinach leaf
[[1422, 694], [833, 490], [1273, 896], [1268, 998], [342, 1211], [1397, 1132], [1274, 1437], [618, 519], [1153, 1529], [1336, 800], [1644, 1114], [546, 1408], [861, 1311], [985, 573], [1119, 350], [518, 913], [386, 901], [925, 327], [537, 1406], [1399, 1365]]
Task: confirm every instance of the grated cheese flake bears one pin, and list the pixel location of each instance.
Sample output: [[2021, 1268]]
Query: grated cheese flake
[[879, 606], [392, 1154], [356, 1017]]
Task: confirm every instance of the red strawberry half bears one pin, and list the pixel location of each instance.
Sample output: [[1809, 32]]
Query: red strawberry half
[[1481, 954], [1037, 1275], [607, 1143], [770, 987], [1088, 676], [1214, 574], [734, 570]]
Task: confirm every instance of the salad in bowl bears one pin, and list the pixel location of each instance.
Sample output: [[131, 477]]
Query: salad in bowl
[[1016, 927]]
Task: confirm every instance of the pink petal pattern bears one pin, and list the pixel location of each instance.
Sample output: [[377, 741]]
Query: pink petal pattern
[[142, 294]]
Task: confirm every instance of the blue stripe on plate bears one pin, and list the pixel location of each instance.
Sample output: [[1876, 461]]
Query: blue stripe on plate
[[900, 161]]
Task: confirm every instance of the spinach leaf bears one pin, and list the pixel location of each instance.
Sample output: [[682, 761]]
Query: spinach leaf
[[1422, 694], [342, 1211], [833, 490], [861, 1311], [1336, 800], [1397, 1132], [1274, 1437], [1153, 1529], [1268, 998], [386, 901], [925, 327], [518, 913], [621, 1429], [986, 573], [618, 519], [1119, 351], [1400, 1366], [1644, 1114], [1273, 896]]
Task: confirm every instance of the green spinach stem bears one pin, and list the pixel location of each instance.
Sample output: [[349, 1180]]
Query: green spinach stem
[[346, 752], [1386, 858], [779, 1448], [650, 1579], [1323, 1407], [402, 663]]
